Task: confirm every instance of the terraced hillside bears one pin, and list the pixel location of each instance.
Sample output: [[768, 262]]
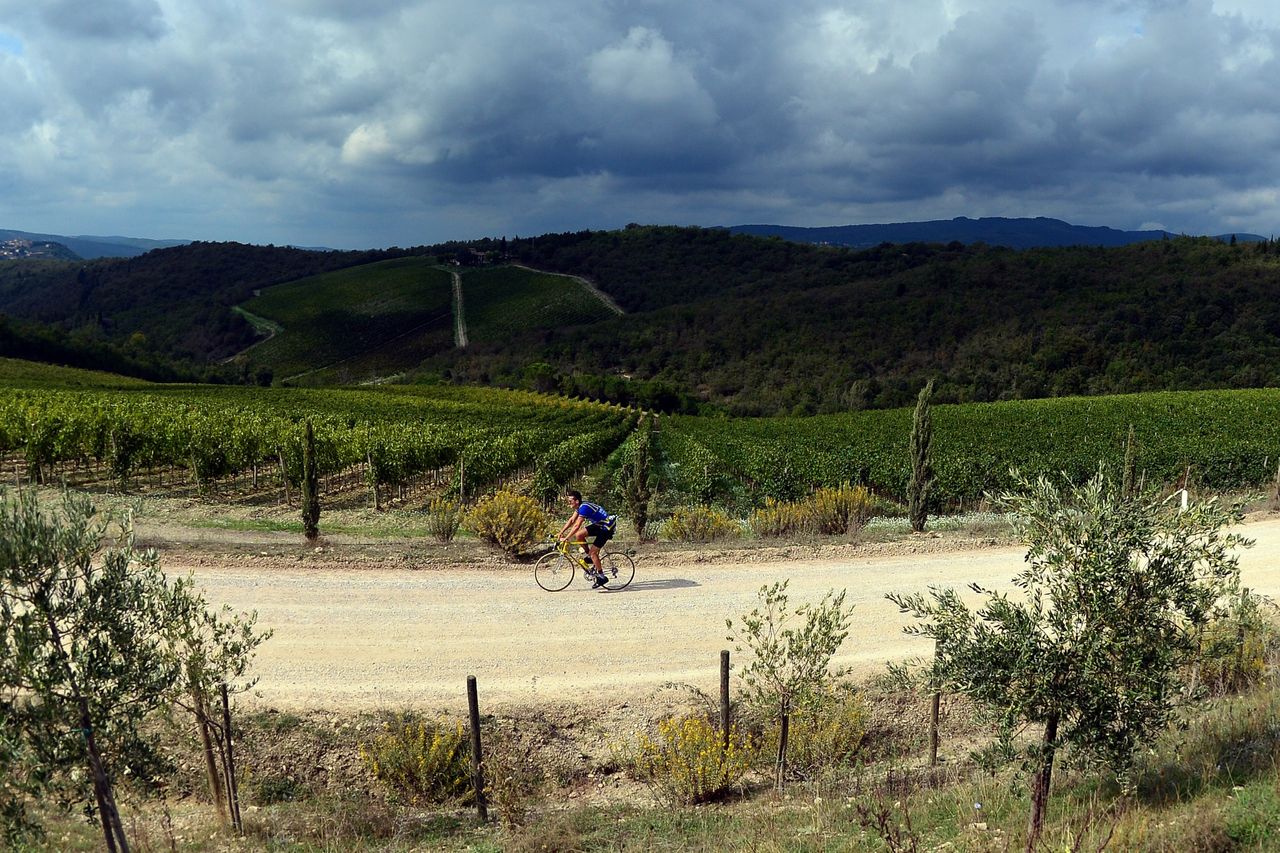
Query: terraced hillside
[[354, 323]]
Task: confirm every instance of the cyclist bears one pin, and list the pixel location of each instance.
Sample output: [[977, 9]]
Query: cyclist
[[588, 519]]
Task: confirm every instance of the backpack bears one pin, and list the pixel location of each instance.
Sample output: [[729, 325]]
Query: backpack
[[601, 517]]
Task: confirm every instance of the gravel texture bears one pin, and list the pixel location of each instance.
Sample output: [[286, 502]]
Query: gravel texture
[[355, 629]]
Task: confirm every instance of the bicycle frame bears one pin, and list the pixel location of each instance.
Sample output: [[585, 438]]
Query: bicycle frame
[[581, 559], [550, 573]]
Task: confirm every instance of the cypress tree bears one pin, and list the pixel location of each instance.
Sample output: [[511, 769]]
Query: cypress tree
[[921, 465], [636, 489], [310, 486]]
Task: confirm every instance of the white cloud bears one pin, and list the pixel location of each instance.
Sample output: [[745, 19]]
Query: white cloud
[[642, 70]]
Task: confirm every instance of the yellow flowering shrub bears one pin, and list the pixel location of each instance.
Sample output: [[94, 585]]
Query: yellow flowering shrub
[[840, 510], [512, 522], [699, 524], [826, 733], [444, 516], [778, 518], [829, 511], [686, 760], [421, 762]]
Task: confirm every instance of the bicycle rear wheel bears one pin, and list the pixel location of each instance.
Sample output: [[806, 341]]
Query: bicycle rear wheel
[[619, 569], [553, 572]]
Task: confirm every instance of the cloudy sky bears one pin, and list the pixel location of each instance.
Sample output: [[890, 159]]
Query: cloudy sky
[[363, 123]]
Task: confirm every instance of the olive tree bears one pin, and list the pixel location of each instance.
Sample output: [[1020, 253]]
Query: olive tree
[[789, 663], [1114, 590], [89, 648]]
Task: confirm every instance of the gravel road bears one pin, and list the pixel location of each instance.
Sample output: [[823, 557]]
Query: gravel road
[[351, 638]]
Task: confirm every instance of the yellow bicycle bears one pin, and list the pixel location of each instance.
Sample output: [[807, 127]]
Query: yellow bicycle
[[554, 571]]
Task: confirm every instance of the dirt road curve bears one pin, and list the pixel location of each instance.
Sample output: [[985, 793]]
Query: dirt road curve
[[390, 638]]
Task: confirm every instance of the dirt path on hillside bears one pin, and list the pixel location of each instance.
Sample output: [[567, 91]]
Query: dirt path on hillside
[[351, 636], [459, 315]]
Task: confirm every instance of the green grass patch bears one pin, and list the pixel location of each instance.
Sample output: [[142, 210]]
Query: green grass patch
[[337, 316], [269, 525], [503, 302]]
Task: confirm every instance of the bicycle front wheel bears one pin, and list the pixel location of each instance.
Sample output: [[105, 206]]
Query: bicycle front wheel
[[619, 569], [553, 572]]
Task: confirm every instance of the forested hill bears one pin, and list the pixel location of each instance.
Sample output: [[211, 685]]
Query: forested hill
[[766, 326], [177, 299], [744, 324]]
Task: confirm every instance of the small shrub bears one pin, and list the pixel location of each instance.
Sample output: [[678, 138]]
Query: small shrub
[[273, 788], [699, 524], [514, 777], [512, 522], [778, 518], [686, 762], [840, 511], [422, 762], [827, 734], [1238, 650], [444, 517]]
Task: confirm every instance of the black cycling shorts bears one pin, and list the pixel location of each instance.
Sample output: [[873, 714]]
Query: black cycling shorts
[[603, 534]]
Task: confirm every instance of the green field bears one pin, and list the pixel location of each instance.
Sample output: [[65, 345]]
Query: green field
[[503, 302], [400, 308], [16, 373]]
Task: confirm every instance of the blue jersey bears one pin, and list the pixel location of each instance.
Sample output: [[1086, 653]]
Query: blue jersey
[[594, 514]]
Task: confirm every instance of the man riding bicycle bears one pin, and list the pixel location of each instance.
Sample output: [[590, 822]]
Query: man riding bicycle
[[593, 520]]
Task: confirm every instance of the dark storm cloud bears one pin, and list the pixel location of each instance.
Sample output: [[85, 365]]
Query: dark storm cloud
[[401, 121]]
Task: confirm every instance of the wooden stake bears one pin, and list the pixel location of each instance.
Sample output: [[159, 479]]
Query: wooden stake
[[477, 759], [724, 697]]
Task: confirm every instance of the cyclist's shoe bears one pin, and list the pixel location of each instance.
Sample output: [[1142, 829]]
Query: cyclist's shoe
[[600, 581]]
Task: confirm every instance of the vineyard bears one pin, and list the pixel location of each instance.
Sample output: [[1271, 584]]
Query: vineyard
[[342, 315], [1224, 439], [506, 301], [392, 441], [403, 442]]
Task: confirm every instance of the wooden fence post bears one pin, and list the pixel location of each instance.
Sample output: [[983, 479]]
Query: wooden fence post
[[477, 762], [724, 696]]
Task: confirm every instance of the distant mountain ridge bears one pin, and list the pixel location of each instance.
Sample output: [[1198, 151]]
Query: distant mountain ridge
[[90, 247], [1015, 233]]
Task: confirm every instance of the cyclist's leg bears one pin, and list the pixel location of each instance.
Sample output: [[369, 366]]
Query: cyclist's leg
[[582, 551], [601, 535]]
